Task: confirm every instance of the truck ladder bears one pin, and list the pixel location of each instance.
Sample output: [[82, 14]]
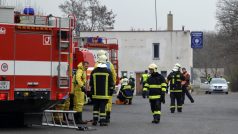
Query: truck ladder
[[64, 49], [49, 119]]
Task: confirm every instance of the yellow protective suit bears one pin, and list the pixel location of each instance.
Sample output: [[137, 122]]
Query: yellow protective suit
[[79, 81], [67, 101]]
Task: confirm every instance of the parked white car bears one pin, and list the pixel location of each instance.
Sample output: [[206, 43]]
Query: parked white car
[[216, 85]]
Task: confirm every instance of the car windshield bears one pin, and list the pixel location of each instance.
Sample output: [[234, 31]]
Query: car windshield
[[218, 81]]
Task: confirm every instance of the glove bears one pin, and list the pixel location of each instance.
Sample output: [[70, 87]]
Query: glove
[[144, 94], [71, 104]]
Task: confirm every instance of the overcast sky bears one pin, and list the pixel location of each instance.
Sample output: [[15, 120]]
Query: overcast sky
[[140, 14]]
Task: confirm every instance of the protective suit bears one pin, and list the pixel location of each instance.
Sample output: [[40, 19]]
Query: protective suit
[[110, 66], [102, 87], [125, 93], [79, 83], [175, 79], [156, 87]]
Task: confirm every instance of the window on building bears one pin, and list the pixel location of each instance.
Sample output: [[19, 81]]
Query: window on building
[[156, 50]]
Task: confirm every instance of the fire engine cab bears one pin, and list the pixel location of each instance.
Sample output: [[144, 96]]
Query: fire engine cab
[[35, 63]]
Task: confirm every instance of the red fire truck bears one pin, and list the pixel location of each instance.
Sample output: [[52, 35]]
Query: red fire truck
[[35, 60]]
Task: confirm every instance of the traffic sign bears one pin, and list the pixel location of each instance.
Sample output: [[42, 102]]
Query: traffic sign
[[196, 39]]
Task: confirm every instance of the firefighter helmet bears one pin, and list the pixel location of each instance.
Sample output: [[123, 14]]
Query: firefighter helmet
[[153, 66], [177, 65], [100, 53], [125, 81], [176, 68], [102, 59]]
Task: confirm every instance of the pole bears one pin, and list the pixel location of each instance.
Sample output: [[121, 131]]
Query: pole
[[155, 15]]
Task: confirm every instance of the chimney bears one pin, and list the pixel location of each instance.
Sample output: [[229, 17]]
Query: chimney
[[170, 21]]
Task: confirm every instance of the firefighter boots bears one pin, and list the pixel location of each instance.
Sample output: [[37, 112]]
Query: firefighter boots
[[108, 116], [78, 118], [103, 122], [156, 119]]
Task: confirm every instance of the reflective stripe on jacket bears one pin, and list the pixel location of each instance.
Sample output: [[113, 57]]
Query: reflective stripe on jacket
[[101, 83], [175, 79], [156, 85]]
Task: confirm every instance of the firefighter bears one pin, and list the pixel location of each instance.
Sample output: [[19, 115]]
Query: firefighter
[[185, 86], [79, 83], [174, 79], [209, 78], [102, 86], [156, 87], [125, 93], [143, 80], [110, 66], [132, 84]]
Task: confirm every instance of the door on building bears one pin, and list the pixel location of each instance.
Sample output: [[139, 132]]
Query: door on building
[[138, 85]]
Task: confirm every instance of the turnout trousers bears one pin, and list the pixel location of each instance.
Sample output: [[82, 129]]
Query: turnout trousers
[[78, 100], [99, 110], [155, 105], [176, 96]]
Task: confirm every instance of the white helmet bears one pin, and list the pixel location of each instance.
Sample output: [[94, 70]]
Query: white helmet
[[131, 75], [125, 81], [153, 66], [102, 59], [100, 53], [177, 65], [175, 69]]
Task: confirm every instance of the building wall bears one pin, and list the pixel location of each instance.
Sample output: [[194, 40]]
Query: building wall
[[136, 49]]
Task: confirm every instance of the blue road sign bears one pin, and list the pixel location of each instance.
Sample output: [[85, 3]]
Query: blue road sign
[[196, 39]]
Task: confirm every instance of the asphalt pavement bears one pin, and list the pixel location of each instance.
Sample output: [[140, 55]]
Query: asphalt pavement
[[210, 114]]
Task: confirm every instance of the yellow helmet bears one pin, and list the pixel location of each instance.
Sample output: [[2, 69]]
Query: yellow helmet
[[153, 66], [100, 53]]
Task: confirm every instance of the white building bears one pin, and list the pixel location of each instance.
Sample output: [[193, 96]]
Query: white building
[[138, 49]]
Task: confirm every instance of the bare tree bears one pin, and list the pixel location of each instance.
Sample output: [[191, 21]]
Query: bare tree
[[210, 57], [227, 16], [91, 15]]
